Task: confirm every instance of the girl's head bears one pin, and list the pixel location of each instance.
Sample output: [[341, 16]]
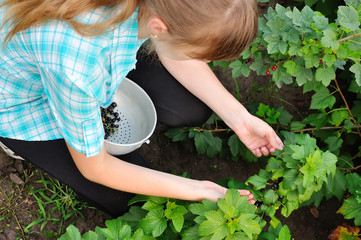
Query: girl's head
[[207, 30], [203, 29]]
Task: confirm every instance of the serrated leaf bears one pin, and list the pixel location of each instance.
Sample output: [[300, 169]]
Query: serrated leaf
[[330, 40], [239, 68], [235, 145], [154, 223], [348, 18], [334, 144], [303, 75], [90, 235], [284, 233], [206, 143], [351, 209], [325, 75], [337, 184], [337, 117], [177, 134], [322, 99], [289, 178], [258, 182], [215, 224], [72, 233], [356, 69], [270, 197], [297, 126], [317, 120]]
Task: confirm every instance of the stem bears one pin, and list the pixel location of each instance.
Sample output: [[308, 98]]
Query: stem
[[347, 106], [325, 128], [212, 130], [349, 37], [355, 59], [349, 169], [237, 88]]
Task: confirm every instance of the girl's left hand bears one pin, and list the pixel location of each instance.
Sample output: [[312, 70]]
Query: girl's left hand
[[216, 191], [258, 136]]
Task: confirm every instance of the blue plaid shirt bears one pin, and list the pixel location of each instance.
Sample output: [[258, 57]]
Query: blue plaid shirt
[[53, 80]]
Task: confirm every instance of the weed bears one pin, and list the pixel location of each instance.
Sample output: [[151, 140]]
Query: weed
[[53, 199]]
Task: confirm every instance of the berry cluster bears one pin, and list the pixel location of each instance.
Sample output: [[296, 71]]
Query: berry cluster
[[274, 186], [110, 118], [273, 69]]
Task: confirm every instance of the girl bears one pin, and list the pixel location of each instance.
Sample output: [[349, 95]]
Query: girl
[[63, 59]]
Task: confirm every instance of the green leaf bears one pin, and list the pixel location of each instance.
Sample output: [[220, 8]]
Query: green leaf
[[275, 45], [257, 182], [356, 69], [317, 120], [289, 208], [90, 235], [330, 40], [334, 144], [353, 182], [322, 99], [325, 75], [348, 18], [338, 116], [235, 145], [72, 233], [284, 234], [239, 68], [329, 59], [289, 178], [154, 223], [270, 197], [206, 143], [214, 225], [290, 67], [249, 226], [297, 126], [302, 75], [177, 134], [351, 209], [337, 184]]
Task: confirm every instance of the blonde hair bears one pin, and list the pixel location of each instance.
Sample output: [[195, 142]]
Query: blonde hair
[[219, 29]]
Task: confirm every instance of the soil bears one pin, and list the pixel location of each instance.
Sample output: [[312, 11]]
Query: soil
[[18, 206], [307, 223]]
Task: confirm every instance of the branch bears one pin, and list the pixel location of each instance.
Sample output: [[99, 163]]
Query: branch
[[355, 59], [349, 37], [347, 106], [324, 128], [353, 168]]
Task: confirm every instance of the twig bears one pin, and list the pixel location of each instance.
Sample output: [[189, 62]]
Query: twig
[[17, 221], [348, 169], [324, 128], [347, 106], [349, 37], [355, 59]]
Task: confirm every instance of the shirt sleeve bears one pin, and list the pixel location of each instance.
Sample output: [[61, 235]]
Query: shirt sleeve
[[76, 111]]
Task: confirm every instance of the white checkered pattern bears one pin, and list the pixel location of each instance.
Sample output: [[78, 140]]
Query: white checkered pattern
[[53, 80]]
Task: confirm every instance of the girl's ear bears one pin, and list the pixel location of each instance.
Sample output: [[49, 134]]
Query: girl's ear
[[156, 26]]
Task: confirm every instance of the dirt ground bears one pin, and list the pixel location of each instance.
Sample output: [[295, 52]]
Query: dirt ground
[[17, 206]]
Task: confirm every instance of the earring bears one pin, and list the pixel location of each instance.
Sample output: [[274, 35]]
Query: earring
[[154, 36]]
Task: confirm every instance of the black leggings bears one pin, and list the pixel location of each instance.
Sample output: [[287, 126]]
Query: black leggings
[[175, 107]]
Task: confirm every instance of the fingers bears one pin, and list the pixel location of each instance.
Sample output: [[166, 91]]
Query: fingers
[[247, 193]]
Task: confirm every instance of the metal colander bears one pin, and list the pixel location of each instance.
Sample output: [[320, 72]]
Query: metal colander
[[138, 119]]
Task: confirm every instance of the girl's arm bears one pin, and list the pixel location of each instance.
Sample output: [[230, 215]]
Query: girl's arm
[[118, 174], [199, 79]]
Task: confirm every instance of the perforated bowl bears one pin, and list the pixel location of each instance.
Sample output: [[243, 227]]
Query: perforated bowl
[[138, 119]]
